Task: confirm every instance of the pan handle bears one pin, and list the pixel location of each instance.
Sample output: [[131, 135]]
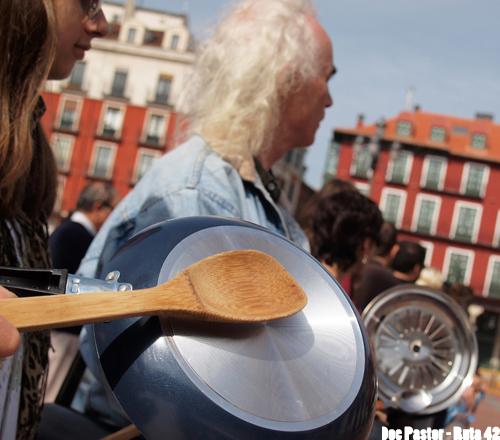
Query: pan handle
[[34, 282]]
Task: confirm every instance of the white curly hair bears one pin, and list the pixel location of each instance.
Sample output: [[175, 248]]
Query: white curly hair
[[261, 51]]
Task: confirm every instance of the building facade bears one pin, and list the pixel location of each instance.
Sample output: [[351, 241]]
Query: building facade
[[437, 178], [116, 113]]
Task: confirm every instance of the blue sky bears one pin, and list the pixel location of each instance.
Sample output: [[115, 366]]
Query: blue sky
[[448, 51]]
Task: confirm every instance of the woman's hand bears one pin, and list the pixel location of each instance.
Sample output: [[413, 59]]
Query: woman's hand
[[9, 336]]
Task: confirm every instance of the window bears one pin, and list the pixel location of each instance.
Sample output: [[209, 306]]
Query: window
[[478, 141], [119, 83], [426, 214], [363, 188], [68, 114], [295, 158], [114, 28], [438, 134], [392, 205], [63, 149], [76, 78], [465, 223], [132, 32], [155, 131], [474, 179], [61, 183], [153, 38], [429, 250], [145, 159], [399, 168], [496, 237], [460, 130], [332, 161], [174, 42], [457, 265], [433, 173], [403, 128], [492, 281], [163, 87], [112, 122], [102, 162], [361, 165]]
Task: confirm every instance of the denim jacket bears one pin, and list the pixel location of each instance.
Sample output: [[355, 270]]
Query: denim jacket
[[188, 181], [191, 180]]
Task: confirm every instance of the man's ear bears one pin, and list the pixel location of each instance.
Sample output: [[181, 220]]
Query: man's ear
[[96, 206]]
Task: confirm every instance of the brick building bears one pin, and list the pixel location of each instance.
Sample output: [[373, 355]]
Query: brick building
[[437, 178], [116, 113]]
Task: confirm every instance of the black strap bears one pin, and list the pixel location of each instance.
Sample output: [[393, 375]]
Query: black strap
[[269, 181]]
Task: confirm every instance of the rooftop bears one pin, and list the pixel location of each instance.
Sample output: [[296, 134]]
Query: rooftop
[[477, 138]]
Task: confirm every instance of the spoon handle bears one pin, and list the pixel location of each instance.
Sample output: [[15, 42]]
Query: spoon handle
[[46, 312]]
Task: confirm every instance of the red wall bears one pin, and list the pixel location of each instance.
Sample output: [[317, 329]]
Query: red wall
[[483, 249], [86, 134]]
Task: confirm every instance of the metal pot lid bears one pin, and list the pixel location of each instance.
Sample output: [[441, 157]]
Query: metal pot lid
[[294, 375], [425, 349], [280, 373]]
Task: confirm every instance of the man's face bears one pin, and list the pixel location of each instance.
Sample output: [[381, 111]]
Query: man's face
[[75, 30], [304, 110]]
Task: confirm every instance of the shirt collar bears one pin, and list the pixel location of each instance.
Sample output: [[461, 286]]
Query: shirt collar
[[82, 219]]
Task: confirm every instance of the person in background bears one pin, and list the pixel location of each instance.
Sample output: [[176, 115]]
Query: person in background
[[463, 413], [345, 227], [40, 39], [376, 275], [408, 262], [305, 215], [71, 239], [68, 244], [407, 266], [259, 88]]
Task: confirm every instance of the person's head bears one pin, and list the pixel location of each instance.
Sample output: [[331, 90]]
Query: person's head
[[461, 293], [332, 186], [40, 39], [408, 261], [77, 23], [345, 226], [388, 244], [259, 85], [97, 200]]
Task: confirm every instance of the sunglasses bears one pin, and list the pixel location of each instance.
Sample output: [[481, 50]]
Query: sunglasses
[[91, 8]]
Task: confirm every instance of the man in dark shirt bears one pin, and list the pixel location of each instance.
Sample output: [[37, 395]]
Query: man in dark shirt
[[70, 241], [68, 245], [376, 275]]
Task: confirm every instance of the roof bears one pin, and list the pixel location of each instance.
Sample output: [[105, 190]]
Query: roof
[[458, 133], [143, 8]]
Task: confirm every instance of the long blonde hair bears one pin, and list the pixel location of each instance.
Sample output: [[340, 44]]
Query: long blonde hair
[[259, 52], [27, 50]]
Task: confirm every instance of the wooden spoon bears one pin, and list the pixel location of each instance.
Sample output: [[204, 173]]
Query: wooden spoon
[[235, 286]]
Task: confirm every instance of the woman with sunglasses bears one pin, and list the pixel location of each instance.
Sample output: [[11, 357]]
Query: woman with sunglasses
[[41, 39]]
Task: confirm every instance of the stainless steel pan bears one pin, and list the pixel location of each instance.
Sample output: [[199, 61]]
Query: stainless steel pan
[[308, 376]]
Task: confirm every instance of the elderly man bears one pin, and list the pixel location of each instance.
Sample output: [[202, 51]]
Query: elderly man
[[259, 89], [71, 239]]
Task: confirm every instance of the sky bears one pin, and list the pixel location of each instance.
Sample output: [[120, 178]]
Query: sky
[[446, 51]]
